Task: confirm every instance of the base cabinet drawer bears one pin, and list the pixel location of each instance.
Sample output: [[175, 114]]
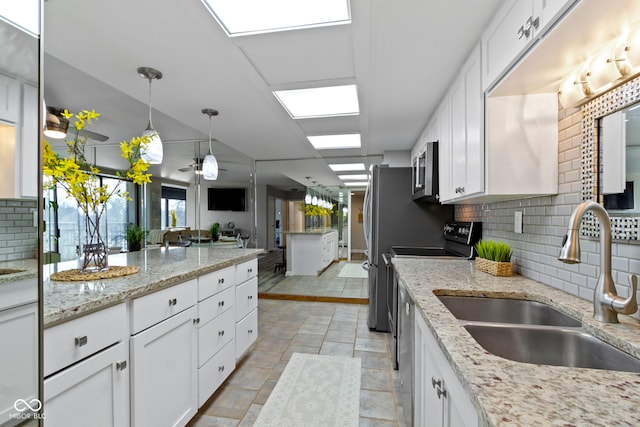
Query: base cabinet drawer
[[215, 371], [216, 281], [246, 270], [164, 372], [73, 341], [214, 306], [215, 335], [246, 333], [246, 297], [93, 392], [153, 308]]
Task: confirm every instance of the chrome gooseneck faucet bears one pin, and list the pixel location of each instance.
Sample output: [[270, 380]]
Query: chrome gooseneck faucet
[[606, 302]]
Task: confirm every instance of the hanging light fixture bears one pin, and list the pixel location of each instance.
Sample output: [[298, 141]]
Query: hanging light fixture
[[210, 164], [314, 200], [56, 126], [307, 198], [153, 151]]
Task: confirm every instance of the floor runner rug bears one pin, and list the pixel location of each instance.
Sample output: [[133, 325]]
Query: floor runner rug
[[353, 270], [314, 390]]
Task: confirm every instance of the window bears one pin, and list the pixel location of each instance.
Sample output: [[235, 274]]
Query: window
[[173, 199], [63, 225]]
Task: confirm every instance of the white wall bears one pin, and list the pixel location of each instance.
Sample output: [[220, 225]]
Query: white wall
[[358, 243], [397, 159]]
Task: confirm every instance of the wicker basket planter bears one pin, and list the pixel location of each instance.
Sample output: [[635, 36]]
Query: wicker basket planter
[[494, 267]]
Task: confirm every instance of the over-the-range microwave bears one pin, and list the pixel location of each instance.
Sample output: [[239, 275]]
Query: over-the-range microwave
[[425, 174]]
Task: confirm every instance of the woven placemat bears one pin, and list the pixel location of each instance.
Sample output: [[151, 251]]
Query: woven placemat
[[76, 275]]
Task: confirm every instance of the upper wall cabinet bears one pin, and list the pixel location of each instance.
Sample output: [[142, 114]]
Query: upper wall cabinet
[[514, 30]]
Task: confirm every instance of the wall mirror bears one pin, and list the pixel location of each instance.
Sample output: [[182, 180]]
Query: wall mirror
[[609, 154]]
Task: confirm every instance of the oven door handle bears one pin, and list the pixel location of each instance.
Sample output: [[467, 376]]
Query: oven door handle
[[387, 259]]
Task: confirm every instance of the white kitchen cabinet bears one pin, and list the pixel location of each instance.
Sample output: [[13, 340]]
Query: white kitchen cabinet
[[27, 185], [92, 392], [467, 130], [246, 314], [9, 99], [216, 281], [308, 254], [164, 372], [444, 151], [516, 27], [440, 399], [19, 355]]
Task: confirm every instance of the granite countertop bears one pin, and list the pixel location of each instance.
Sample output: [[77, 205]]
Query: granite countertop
[[311, 231], [29, 269], [508, 393], [159, 268]]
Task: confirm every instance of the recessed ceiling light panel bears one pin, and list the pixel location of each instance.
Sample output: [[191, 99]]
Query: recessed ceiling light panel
[[329, 142], [245, 17], [354, 177], [328, 101], [356, 184], [343, 167]]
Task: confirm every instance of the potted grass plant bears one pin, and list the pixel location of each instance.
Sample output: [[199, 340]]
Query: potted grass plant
[[135, 235], [494, 258]]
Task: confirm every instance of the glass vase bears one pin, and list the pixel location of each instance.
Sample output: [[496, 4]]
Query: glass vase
[[94, 254]]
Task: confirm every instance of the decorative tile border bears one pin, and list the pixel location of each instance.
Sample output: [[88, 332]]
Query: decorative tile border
[[624, 228]]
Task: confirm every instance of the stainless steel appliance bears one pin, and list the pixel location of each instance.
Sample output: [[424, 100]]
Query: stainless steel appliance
[[425, 174], [392, 217], [460, 239]]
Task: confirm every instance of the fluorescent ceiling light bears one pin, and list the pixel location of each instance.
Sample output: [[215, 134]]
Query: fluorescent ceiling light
[[244, 17], [320, 101], [344, 167], [348, 177], [328, 142], [356, 184]]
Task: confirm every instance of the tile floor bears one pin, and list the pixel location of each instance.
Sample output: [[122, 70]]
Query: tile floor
[[328, 284], [286, 327]]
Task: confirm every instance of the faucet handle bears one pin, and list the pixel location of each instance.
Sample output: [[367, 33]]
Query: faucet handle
[[630, 305]]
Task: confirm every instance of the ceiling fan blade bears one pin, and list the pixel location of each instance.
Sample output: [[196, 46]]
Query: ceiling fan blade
[[94, 135], [187, 169]]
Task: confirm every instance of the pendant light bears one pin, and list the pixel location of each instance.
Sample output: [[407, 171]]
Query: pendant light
[[307, 198], [153, 151], [210, 164]]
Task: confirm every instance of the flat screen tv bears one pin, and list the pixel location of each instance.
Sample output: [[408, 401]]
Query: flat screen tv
[[227, 199]]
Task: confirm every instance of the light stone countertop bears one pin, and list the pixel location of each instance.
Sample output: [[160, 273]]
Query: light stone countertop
[[159, 268], [508, 393], [29, 267]]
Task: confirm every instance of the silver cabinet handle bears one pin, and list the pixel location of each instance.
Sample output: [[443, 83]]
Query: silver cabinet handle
[[249, 331], [441, 393], [221, 368], [221, 304], [221, 280], [122, 365], [221, 333], [520, 32], [435, 383], [173, 301], [196, 321], [250, 297], [250, 270], [80, 341]]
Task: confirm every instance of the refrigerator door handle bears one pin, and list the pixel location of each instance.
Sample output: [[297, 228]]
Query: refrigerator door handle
[[365, 265]]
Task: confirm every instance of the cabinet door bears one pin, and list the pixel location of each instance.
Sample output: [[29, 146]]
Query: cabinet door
[[444, 151], [458, 137], [246, 333], [474, 113], [93, 392], [547, 11], [9, 100], [246, 298], [428, 407], [29, 132], [19, 355], [164, 372], [504, 39]]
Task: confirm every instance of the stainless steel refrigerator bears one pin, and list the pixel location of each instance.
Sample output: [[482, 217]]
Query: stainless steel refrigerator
[[392, 218]]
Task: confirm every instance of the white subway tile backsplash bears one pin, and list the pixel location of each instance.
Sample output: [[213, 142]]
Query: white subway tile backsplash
[[17, 233]]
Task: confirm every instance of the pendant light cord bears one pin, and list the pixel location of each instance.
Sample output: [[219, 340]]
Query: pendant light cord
[[210, 150], [150, 124]]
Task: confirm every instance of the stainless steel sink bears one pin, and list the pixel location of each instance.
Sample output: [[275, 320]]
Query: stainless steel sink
[[551, 346], [10, 271], [503, 310]]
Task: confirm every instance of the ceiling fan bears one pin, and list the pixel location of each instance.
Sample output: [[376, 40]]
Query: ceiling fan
[[196, 166], [56, 122]]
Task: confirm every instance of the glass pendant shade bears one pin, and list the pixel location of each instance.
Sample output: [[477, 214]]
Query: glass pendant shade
[[314, 201], [210, 167], [307, 199], [153, 151]]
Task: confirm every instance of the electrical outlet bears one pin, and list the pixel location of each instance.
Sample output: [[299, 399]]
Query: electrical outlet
[[517, 224]]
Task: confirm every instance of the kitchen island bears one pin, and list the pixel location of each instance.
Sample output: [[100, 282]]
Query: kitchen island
[[509, 393], [155, 345], [311, 251]]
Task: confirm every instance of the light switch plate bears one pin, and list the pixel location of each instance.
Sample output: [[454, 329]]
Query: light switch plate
[[517, 223]]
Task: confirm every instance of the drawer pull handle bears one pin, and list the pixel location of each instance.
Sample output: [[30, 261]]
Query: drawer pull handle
[[121, 366], [436, 383], [441, 393], [80, 341], [250, 331], [196, 321], [173, 301], [221, 304], [250, 297], [250, 270], [221, 368], [220, 333], [221, 280]]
